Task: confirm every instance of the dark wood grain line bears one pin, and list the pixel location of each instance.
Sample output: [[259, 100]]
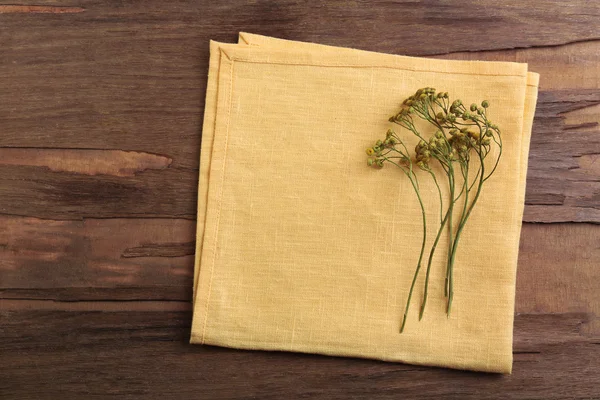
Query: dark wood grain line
[[153, 193], [161, 250], [482, 53], [25, 9], [100, 305]]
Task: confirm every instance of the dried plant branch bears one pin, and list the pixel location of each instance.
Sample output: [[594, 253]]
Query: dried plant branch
[[461, 137]]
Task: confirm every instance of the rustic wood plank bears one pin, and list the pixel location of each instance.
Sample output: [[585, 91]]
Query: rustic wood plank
[[558, 269], [135, 354], [96, 259], [416, 28], [43, 193]]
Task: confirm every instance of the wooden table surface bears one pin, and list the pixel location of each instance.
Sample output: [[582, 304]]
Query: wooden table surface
[[100, 126]]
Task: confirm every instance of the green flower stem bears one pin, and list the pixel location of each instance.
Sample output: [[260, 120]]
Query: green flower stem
[[412, 286], [439, 193], [450, 271], [450, 233], [499, 143], [462, 225], [429, 261], [412, 177]]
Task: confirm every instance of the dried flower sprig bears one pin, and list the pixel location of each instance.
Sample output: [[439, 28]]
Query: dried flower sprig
[[461, 137]]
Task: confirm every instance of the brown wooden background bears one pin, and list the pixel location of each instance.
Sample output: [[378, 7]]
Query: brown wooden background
[[100, 124]]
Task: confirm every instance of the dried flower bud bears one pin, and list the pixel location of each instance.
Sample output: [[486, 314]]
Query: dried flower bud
[[456, 103], [473, 107], [376, 149], [380, 163], [370, 151], [480, 111], [370, 162], [485, 104]]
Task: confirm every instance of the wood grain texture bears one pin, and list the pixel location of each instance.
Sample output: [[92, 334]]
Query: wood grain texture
[[86, 162], [145, 354], [563, 180], [152, 259], [70, 86], [100, 130], [572, 66], [143, 258]]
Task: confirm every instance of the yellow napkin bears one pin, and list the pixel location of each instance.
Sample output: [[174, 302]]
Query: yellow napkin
[[301, 247]]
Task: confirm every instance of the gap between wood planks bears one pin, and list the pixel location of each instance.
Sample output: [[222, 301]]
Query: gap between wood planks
[[102, 305], [531, 47]]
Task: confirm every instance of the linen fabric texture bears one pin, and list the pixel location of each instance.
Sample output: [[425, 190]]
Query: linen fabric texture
[[301, 247]]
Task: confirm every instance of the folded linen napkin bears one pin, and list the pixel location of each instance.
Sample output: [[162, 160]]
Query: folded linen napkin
[[301, 247]]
